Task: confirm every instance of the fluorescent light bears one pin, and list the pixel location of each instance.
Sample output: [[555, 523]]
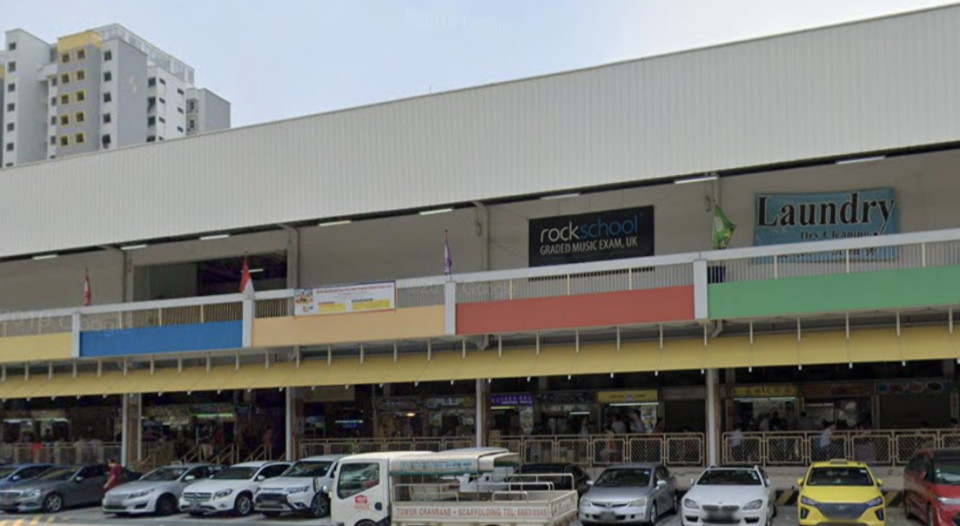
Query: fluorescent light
[[631, 404], [704, 179], [560, 196], [501, 408], [579, 413], [862, 160], [437, 211], [215, 236], [256, 270], [336, 223], [44, 256], [133, 247]]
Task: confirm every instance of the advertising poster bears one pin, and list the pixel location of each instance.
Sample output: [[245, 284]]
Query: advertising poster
[[596, 236], [346, 299]]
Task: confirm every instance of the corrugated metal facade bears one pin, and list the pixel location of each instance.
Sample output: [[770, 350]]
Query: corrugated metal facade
[[884, 84]]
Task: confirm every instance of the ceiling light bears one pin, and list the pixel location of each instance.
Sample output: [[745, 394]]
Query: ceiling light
[[336, 223], [44, 256], [862, 160], [256, 270], [133, 247], [560, 196], [704, 179], [215, 236], [436, 211]]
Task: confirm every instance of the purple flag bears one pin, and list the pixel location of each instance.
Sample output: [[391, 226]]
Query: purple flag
[[447, 260]]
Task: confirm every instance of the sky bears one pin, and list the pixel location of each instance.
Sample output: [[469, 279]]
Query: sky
[[278, 59]]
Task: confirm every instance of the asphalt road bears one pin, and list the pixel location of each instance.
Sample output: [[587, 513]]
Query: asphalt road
[[787, 516]]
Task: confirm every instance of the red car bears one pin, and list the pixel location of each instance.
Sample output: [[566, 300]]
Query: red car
[[931, 486]]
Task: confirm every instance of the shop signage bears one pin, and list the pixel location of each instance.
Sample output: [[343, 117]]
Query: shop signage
[[619, 397], [346, 299], [211, 409], [914, 387], [451, 401], [399, 404], [328, 394], [564, 398], [763, 391], [503, 400], [597, 236], [854, 390], [797, 218]]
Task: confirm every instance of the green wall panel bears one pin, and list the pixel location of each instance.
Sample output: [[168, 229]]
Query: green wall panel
[[888, 289]]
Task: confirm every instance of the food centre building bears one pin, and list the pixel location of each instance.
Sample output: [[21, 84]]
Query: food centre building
[[731, 241]]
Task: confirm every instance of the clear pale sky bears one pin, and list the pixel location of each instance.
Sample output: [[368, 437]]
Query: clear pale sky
[[285, 58]]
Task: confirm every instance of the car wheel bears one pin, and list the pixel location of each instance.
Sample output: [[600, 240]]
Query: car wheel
[[319, 506], [653, 513], [243, 505], [676, 503], [166, 505], [52, 503], [271, 514]]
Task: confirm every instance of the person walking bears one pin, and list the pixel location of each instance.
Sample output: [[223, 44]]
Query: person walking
[[114, 476]]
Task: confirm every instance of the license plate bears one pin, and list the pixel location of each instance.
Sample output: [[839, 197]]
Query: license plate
[[608, 516]]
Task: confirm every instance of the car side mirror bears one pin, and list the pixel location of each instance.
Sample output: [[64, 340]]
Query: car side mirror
[[15, 478], [879, 482], [799, 482], [261, 478], [78, 479], [661, 483], [188, 478], [589, 483], [768, 482], [325, 489], [693, 482]]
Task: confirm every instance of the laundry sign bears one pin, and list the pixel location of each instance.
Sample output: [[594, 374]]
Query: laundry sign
[[799, 218]]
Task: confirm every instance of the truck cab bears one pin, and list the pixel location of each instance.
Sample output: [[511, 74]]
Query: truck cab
[[360, 495]]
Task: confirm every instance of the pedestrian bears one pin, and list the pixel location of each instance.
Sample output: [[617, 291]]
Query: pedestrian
[[618, 427], [268, 444], [659, 427], [584, 427], [806, 423], [636, 425], [115, 475]]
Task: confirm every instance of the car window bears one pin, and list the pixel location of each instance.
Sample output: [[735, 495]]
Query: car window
[[945, 471], [730, 477], [623, 478], [914, 465], [91, 472], [274, 471], [840, 476], [357, 477], [31, 472], [199, 473]]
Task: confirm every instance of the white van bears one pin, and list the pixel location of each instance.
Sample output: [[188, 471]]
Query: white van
[[417, 488]]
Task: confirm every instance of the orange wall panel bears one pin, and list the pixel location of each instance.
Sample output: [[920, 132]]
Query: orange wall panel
[[415, 322], [584, 310]]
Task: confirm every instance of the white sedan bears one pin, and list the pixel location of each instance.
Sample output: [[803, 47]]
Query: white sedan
[[735, 496], [229, 491]]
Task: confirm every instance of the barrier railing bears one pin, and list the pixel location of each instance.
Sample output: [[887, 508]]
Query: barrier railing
[[86, 453], [880, 447], [312, 447]]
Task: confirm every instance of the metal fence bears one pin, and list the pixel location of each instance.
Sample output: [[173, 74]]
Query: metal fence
[[311, 447], [86, 453], [880, 448], [163, 317]]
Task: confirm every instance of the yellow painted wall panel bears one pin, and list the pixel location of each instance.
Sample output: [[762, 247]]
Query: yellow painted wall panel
[[728, 352], [443, 366], [596, 359], [640, 356], [414, 322], [481, 364], [874, 345], [927, 343], [555, 361], [17, 349], [683, 355], [516, 363], [817, 348], [775, 349]]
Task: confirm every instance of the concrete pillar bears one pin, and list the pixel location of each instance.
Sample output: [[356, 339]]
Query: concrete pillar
[[483, 407], [131, 443], [291, 418], [713, 417]]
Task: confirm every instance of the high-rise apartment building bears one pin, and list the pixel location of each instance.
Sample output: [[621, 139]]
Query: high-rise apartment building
[[99, 89]]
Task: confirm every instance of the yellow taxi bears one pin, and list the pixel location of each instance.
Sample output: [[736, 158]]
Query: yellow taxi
[[840, 492]]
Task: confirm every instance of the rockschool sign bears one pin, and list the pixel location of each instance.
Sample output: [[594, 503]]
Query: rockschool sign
[[613, 234], [797, 218]]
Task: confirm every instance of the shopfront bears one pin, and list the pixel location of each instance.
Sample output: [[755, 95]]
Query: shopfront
[[399, 417], [911, 404], [850, 405], [762, 407], [513, 414], [620, 405], [563, 413], [451, 416], [337, 413]]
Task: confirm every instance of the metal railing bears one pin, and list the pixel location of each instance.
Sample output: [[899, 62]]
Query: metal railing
[[797, 448], [65, 453], [681, 449], [312, 447]]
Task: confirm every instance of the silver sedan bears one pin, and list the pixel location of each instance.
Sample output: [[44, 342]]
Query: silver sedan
[[158, 492], [629, 493]]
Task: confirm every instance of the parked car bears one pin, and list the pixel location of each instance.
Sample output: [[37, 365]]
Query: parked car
[[58, 488], [299, 489], [730, 495], [841, 491], [156, 492], [229, 491], [931, 486], [550, 476], [629, 493], [13, 473]]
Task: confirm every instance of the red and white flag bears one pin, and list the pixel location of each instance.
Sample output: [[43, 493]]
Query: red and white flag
[[246, 280], [87, 293]]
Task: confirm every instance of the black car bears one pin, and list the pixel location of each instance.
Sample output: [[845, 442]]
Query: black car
[[549, 476]]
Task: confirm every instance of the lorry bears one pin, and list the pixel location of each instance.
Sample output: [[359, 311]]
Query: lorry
[[418, 488]]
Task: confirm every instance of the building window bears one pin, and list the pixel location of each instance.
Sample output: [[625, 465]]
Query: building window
[[151, 138], [81, 54], [179, 92], [107, 76], [162, 100], [10, 126], [163, 82], [64, 140], [107, 56], [180, 111], [80, 117], [152, 81], [53, 120], [65, 78], [80, 138], [180, 129], [80, 75], [64, 58], [11, 67], [9, 146], [9, 165], [162, 120], [106, 140], [53, 81], [192, 105], [12, 46], [81, 96], [65, 120], [11, 87], [151, 121], [107, 97], [64, 99], [53, 101], [107, 118], [151, 102], [11, 107], [53, 140]]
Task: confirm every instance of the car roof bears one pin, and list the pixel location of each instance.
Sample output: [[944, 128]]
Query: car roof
[[839, 463], [319, 458], [951, 453], [188, 466], [257, 464], [19, 466], [636, 465]]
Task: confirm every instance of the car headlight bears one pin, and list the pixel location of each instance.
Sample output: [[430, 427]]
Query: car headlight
[[690, 503], [754, 505], [32, 494], [585, 502], [223, 493], [298, 489], [875, 502], [639, 503], [808, 501], [139, 494], [949, 501]]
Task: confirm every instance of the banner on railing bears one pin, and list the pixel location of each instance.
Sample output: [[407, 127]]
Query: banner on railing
[[798, 218], [597, 236], [346, 299]]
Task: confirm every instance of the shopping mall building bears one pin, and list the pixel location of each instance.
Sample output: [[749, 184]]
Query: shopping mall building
[[579, 212]]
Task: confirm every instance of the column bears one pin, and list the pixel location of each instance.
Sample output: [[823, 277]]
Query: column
[[713, 417], [131, 443], [483, 406], [291, 418]]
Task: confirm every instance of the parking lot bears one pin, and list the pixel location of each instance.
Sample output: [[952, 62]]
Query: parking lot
[[94, 517]]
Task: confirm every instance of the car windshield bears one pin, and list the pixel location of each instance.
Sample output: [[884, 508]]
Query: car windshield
[[59, 474], [944, 472], [840, 476], [541, 470], [623, 478], [730, 477], [236, 474], [6, 472], [164, 475], [308, 469]]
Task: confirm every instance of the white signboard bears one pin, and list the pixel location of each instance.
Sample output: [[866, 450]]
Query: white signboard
[[346, 299]]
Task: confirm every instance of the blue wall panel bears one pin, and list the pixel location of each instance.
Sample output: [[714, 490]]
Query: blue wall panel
[[156, 340]]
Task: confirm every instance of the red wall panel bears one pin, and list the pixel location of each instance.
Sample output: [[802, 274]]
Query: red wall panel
[[586, 310]]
